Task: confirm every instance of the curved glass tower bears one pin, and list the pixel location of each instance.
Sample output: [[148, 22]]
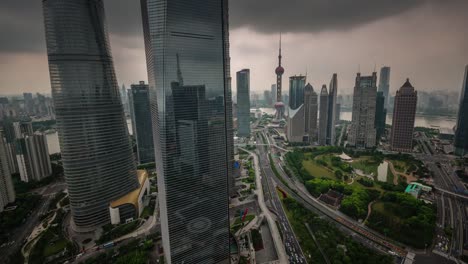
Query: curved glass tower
[[187, 56], [97, 157]]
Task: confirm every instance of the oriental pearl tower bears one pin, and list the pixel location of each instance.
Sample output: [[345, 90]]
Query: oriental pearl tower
[[279, 105]]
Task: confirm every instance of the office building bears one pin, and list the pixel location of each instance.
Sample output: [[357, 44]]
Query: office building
[[337, 112], [267, 97], [295, 126], [332, 93], [310, 112], [7, 190], [384, 84], [323, 116], [97, 156], [461, 133], [296, 91], [362, 133], [243, 102], [404, 113], [380, 115], [28, 103], [273, 94], [191, 127], [139, 106]]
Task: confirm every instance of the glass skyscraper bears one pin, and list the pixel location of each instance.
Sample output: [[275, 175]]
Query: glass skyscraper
[[97, 157], [243, 102], [384, 83], [187, 52], [461, 134], [138, 101], [296, 91]]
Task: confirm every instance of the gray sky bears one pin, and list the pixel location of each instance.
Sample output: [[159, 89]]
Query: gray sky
[[424, 40]]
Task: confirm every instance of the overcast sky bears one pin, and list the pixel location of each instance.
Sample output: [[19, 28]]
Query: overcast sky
[[424, 40]]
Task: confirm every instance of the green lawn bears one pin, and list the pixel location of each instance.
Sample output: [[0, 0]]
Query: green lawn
[[366, 165], [316, 170], [247, 219], [56, 247]]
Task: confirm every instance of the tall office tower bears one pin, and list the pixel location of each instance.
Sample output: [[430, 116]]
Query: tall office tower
[[139, 105], [332, 92], [267, 97], [295, 126], [191, 126], [362, 132], [124, 98], [32, 155], [404, 114], [243, 102], [296, 91], [461, 133], [279, 105], [380, 115], [97, 157], [28, 103], [22, 129], [337, 112], [384, 83], [323, 116], [273, 94], [310, 112], [7, 190]]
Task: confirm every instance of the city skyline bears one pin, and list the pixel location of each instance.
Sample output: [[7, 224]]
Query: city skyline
[[377, 39]]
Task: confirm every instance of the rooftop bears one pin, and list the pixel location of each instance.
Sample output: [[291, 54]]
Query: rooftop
[[132, 197]]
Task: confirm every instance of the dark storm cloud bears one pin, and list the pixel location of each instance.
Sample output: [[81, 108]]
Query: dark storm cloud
[[21, 23], [22, 29], [313, 15]]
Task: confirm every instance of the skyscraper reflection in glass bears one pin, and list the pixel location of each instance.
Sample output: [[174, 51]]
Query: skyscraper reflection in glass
[[187, 54], [96, 153]]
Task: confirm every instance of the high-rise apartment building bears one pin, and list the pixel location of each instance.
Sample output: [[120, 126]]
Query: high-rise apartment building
[[97, 157], [323, 116], [461, 134], [139, 106], [380, 115], [404, 114], [32, 155], [362, 133], [190, 123], [243, 102], [310, 112], [7, 190], [384, 84], [332, 93]]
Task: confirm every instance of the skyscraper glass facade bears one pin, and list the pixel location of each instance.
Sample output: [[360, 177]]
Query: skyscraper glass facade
[[461, 134], [96, 153], [296, 91], [138, 100], [187, 54], [384, 84], [243, 102]]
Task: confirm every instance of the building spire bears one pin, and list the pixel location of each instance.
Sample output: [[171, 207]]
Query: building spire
[[279, 55], [179, 72]]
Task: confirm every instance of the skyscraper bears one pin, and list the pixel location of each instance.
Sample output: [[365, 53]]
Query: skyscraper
[[267, 97], [139, 105], [190, 124], [7, 191], [273, 94], [384, 83], [279, 105], [296, 91], [310, 112], [323, 116], [332, 93], [404, 113], [380, 115], [243, 102], [362, 132], [32, 155], [28, 103], [97, 156], [461, 133]]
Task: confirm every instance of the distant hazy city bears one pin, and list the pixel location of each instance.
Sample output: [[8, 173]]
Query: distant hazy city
[[184, 168]]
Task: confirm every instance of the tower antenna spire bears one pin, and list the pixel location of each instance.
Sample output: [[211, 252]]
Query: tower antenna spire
[[279, 55]]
